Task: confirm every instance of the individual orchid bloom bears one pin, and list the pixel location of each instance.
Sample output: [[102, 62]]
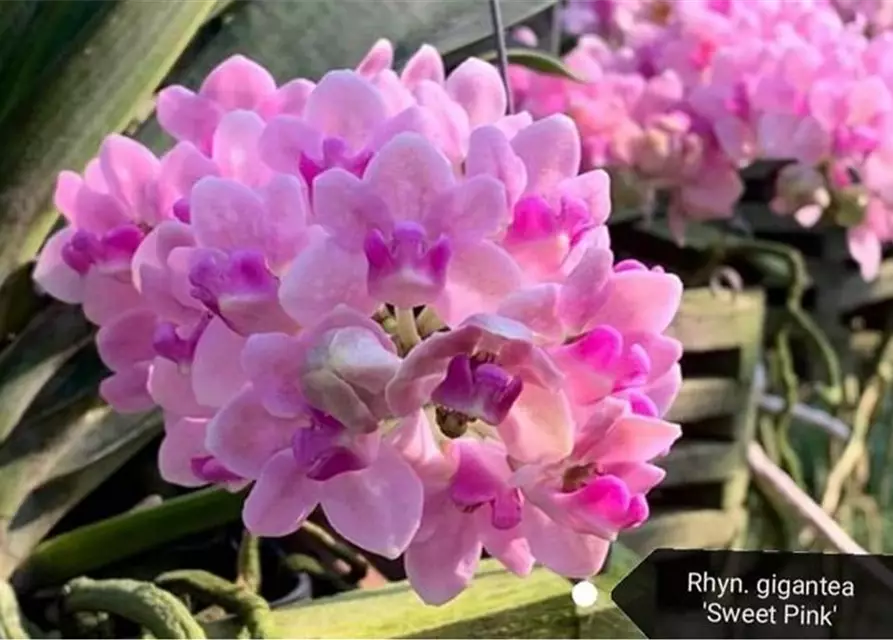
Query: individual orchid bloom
[[600, 488], [368, 492], [341, 366], [183, 459], [338, 126], [235, 84], [604, 329], [123, 193], [244, 240], [408, 233], [488, 373], [555, 209], [469, 507]]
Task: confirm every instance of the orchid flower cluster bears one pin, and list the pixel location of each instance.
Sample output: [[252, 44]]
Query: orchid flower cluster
[[681, 96], [382, 295]]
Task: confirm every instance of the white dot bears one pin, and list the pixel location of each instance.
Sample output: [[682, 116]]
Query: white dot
[[584, 594]]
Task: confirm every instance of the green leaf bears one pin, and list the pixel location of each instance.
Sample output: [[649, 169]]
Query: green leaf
[[45, 507], [537, 60], [53, 28], [306, 39], [32, 359], [97, 545], [118, 64]]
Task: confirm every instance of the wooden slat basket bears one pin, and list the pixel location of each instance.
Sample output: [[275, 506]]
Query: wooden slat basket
[[701, 501]]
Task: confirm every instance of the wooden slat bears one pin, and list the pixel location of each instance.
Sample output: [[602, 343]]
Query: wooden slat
[[496, 605], [701, 462], [856, 292], [708, 529], [709, 321], [701, 398]]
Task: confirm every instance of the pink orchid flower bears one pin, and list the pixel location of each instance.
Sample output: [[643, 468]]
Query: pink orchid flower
[[369, 493], [235, 84], [488, 369], [408, 233], [123, 193], [599, 488]]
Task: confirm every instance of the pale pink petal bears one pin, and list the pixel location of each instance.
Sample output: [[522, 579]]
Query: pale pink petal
[[171, 389], [227, 215], [273, 362], [537, 308], [479, 278], [127, 339], [379, 58], [243, 435], [593, 188], [451, 135], [540, 426], [550, 148], [181, 168], [413, 438], [644, 301], [284, 140], [187, 116], [281, 499], [566, 552], [126, 391], [53, 275], [238, 83], [512, 124], [289, 99], [509, 546], [664, 390], [865, 247], [287, 209], [638, 477], [184, 440], [236, 148], [408, 174], [440, 568], [425, 64], [346, 106], [106, 297], [348, 208], [68, 184], [473, 210], [635, 438], [477, 86], [99, 212], [217, 374], [322, 277], [490, 153], [395, 94], [379, 508], [130, 170]]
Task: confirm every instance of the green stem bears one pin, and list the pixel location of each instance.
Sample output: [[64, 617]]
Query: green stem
[[250, 608], [154, 609], [785, 418], [249, 562], [97, 545]]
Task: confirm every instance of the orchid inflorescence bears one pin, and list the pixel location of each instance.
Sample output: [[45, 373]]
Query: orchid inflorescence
[[681, 96], [383, 295]]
